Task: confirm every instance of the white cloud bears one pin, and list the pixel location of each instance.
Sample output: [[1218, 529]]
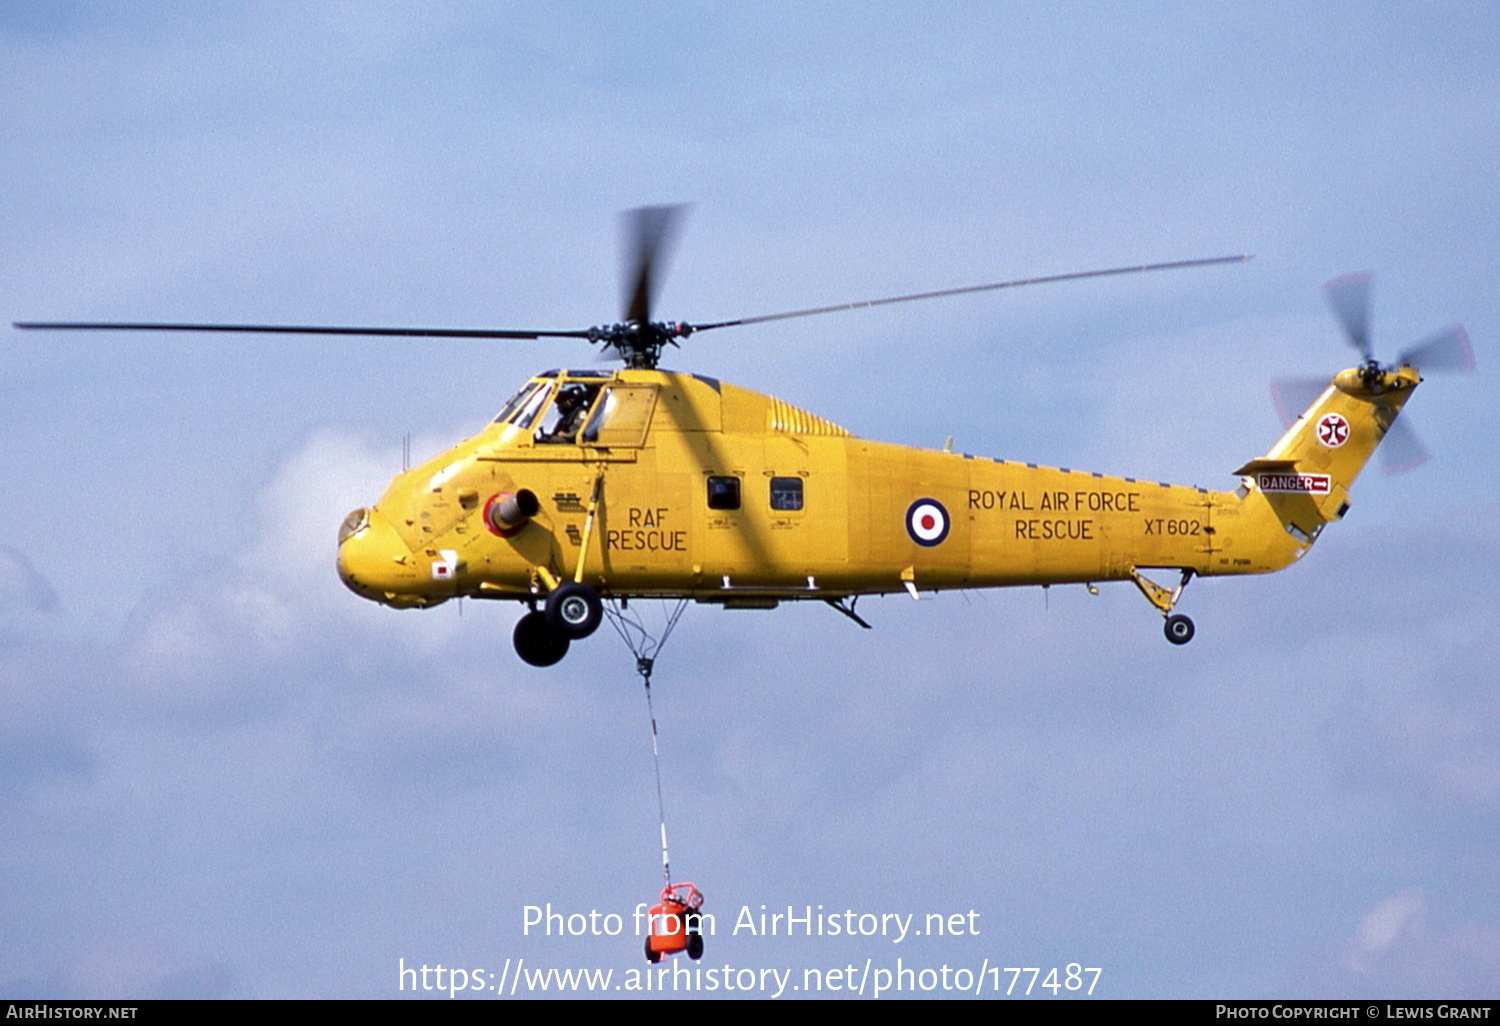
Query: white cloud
[[1402, 948], [118, 966], [280, 593], [1380, 928], [287, 568]]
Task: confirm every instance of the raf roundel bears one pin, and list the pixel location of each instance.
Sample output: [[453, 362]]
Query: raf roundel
[[927, 522], [1333, 430]]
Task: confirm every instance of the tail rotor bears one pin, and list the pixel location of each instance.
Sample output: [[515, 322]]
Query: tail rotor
[[1446, 351], [1350, 298]]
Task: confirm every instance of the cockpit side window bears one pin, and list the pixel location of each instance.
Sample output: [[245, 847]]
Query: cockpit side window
[[532, 404], [622, 418], [568, 412], [516, 400]]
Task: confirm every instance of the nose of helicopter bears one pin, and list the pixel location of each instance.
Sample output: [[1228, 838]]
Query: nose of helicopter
[[375, 563]]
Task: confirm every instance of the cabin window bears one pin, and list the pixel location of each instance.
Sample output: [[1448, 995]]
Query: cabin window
[[786, 493], [723, 493]]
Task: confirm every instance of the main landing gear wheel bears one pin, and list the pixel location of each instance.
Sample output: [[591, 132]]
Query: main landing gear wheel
[[574, 610], [1179, 629], [538, 642]]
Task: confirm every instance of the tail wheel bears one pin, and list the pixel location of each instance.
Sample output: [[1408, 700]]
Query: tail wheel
[[575, 610], [1179, 629], [538, 642]]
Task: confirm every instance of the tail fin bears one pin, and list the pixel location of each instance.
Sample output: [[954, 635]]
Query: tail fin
[[1307, 474]]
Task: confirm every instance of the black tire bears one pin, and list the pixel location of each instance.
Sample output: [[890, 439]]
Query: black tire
[[1179, 629], [575, 610], [651, 956], [537, 642], [695, 946]]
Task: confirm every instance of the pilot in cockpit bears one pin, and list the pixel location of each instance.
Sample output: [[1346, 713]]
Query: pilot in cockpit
[[567, 414]]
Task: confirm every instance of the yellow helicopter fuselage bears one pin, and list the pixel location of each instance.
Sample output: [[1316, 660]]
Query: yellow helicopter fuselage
[[678, 485]]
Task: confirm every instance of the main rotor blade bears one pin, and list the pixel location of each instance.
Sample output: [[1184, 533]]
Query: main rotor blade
[[648, 233], [1075, 276], [1448, 350], [1401, 450], [296, 329], [1350, 298]]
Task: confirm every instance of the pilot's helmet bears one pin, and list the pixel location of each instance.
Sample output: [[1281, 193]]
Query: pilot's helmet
[[572, 396]]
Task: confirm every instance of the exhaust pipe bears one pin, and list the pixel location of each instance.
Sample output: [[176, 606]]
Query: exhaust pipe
[[507, 512]]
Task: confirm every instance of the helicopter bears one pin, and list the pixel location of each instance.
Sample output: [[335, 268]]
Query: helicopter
[[645, 483]]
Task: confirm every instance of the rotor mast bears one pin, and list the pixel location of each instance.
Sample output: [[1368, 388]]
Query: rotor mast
[[640, 344]]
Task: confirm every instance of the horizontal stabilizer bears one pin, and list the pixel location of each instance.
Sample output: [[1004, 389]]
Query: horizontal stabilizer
[[1265, 465]]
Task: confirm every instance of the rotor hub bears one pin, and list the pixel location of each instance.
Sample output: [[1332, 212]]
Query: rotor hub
[[638, 343]]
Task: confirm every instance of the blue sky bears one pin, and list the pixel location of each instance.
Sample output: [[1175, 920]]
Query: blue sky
[[223, 774]]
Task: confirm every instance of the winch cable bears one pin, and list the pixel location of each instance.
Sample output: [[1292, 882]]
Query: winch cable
[[646, 647]]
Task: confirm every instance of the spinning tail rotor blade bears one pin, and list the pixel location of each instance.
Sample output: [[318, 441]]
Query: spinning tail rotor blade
[[648, 234], [1401, 450], [1350, 298], [1448, 350], [1294, 395]]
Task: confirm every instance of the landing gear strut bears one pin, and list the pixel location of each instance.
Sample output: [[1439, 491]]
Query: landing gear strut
[[1178, 628], [572, 610]]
